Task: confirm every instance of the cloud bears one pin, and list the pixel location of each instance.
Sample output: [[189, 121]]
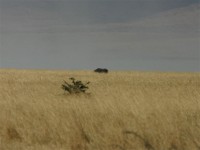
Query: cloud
[[186, 16], [33, 34], [104, 0], [184, 19], [96, 15]]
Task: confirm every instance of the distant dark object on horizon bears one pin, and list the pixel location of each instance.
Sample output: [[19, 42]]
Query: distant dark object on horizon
[[101, 70]]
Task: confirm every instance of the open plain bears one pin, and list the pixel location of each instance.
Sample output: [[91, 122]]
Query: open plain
[[124, 110]]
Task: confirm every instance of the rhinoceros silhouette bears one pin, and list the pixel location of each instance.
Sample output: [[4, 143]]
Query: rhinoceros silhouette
[[101, 70]]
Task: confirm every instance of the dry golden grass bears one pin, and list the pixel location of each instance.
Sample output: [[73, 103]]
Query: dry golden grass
[[125, 111]]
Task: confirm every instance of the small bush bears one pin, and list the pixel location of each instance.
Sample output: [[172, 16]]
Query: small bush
[[75, 87]]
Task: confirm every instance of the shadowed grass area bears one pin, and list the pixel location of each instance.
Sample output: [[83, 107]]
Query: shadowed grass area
[[124, 111]]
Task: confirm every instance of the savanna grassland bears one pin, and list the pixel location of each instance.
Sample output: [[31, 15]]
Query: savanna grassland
[[123, 111]]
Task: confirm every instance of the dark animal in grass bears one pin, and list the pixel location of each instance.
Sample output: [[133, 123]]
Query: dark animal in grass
[[101, 70]]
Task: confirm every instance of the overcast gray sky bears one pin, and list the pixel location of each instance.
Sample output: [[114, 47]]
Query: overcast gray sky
[[161, 35]]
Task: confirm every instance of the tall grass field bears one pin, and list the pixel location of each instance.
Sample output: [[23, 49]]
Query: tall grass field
[[124, 110]]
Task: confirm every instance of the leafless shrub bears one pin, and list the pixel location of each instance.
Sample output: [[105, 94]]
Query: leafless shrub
[[75, 87]]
